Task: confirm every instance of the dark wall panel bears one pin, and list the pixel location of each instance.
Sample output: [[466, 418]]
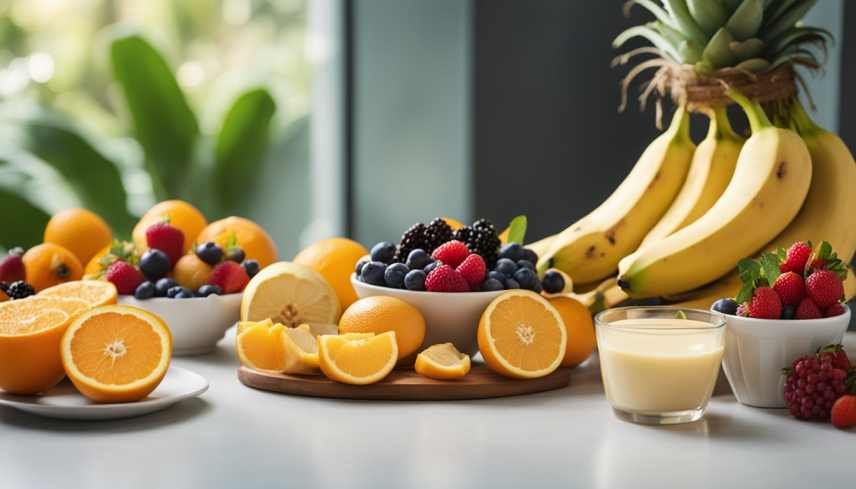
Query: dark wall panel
[[847, 108]]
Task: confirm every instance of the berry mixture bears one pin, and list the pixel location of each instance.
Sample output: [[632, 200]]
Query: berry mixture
[[802, 282], [821, 387]]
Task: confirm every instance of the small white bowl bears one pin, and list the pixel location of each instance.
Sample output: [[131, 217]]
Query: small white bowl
[[197, 324], [756, 351], [449, 317]]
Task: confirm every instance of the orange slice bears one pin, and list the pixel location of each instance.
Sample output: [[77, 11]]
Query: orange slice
[[275, 348], [29, 347], [14, 311], [116, 353], [443, 362], [521, 335], [357, 358], [95, 292]]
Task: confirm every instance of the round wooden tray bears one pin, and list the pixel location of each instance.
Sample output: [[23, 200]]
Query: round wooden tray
[[407, 385]]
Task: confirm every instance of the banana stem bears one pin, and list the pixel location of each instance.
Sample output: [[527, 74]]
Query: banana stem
[[802, 120], [754, 112], [680, 124], [720, 123]]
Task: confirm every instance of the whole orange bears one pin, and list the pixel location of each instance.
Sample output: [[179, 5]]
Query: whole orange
[[49, 264], [180, 214], [578, 322], [79, 231], [335, 259], [380, 314], [191, 272], [252, 238]]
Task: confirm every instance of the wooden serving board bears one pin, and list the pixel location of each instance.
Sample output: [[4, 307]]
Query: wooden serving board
[[407, 385]]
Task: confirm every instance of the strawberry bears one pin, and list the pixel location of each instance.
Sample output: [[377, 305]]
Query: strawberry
[[12, 266], [844, 412], [824, 287], [834, 310], [796, 257], [790, 287], [169, 239], [807, 310], [124, 276], [446, 279], [229, 276], [473, 268], [452, 253], [765, 304]]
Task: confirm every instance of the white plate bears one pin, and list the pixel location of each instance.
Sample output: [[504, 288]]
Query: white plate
[[64, 402]]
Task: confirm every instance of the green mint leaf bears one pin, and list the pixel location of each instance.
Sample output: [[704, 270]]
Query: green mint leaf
[[680, 315], [745, 293], [517, 230], [769, 267]]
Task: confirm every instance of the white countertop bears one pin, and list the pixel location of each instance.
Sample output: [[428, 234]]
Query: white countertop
[[239, 437]]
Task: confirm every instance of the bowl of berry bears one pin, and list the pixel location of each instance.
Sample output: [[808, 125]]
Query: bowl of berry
[[449, 275], [790, 303]]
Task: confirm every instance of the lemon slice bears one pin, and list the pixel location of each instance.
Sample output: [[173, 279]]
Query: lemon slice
[[291, 295], [357, 358], [442, 362], [301, 350]]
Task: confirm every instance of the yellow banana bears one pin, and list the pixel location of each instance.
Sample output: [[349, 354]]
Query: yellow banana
[[769, 185], [541, 246], [589, 250]]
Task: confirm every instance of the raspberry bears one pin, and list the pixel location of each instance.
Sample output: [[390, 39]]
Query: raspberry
[[446, 279], [124, 276], [839, 356], [169, 239], [229, 276], [834, 310], [824, 287], [790, 287], [473, 268], [796, 257], [765, 304], [451, 253], [807, 310], [844, 412], [813, 384]]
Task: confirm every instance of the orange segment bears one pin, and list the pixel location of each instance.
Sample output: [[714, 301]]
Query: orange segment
[[260, 347], [357, 358], [29, 347], [443, 362], [116, 353], [95, 292], [521, 335]]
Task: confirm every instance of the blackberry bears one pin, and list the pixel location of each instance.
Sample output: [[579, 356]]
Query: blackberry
[[481, 241], [484, 224], [413, 238], [437, 232], [20, 290]]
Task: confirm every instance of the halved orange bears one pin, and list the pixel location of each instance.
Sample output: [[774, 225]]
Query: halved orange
[[29, 348], [443, 362], [357, 358], [116, 353], [95, 292], [14, 311], [521, 335]]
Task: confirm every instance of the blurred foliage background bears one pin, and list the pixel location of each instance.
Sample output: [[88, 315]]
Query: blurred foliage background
[[116, 104]]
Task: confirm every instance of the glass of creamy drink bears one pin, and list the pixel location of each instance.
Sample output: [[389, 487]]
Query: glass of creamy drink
[[659, 364]]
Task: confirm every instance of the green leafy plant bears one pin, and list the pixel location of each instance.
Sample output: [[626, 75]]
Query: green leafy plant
[[41, 149]]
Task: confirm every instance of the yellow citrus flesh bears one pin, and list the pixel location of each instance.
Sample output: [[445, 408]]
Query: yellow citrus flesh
[[180, 214], [301, 350], [443, 362], [290, 294], [95, 292], [580, 328], [334, 259], [379, 314], [116, 353], [521, 335], [260, 347], [29, 349], [357, 359]]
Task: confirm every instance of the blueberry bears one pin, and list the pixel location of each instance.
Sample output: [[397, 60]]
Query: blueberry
[[163, 285], [529, 255], [431, 266], [537, 287], [510, 283], [383, 252], [506, 266], [236, 255], [373, 272], [207, 290], [491, 285], [418, 258], [394, 275], [252, 267], [499, 276], [209, 252], [184, 293], [415, 280], [526, 264], [359, 268], [145, 290], [174, 291], [553, 282], [788, 312], [526, 278], [154, 264], [512, 251], [726, 306]]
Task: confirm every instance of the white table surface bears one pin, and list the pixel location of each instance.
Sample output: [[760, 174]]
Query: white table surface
[[239, 437]]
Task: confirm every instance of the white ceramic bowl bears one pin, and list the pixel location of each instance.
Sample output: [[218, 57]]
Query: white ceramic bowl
[[449, 317], [197, 324], [756, 351]]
